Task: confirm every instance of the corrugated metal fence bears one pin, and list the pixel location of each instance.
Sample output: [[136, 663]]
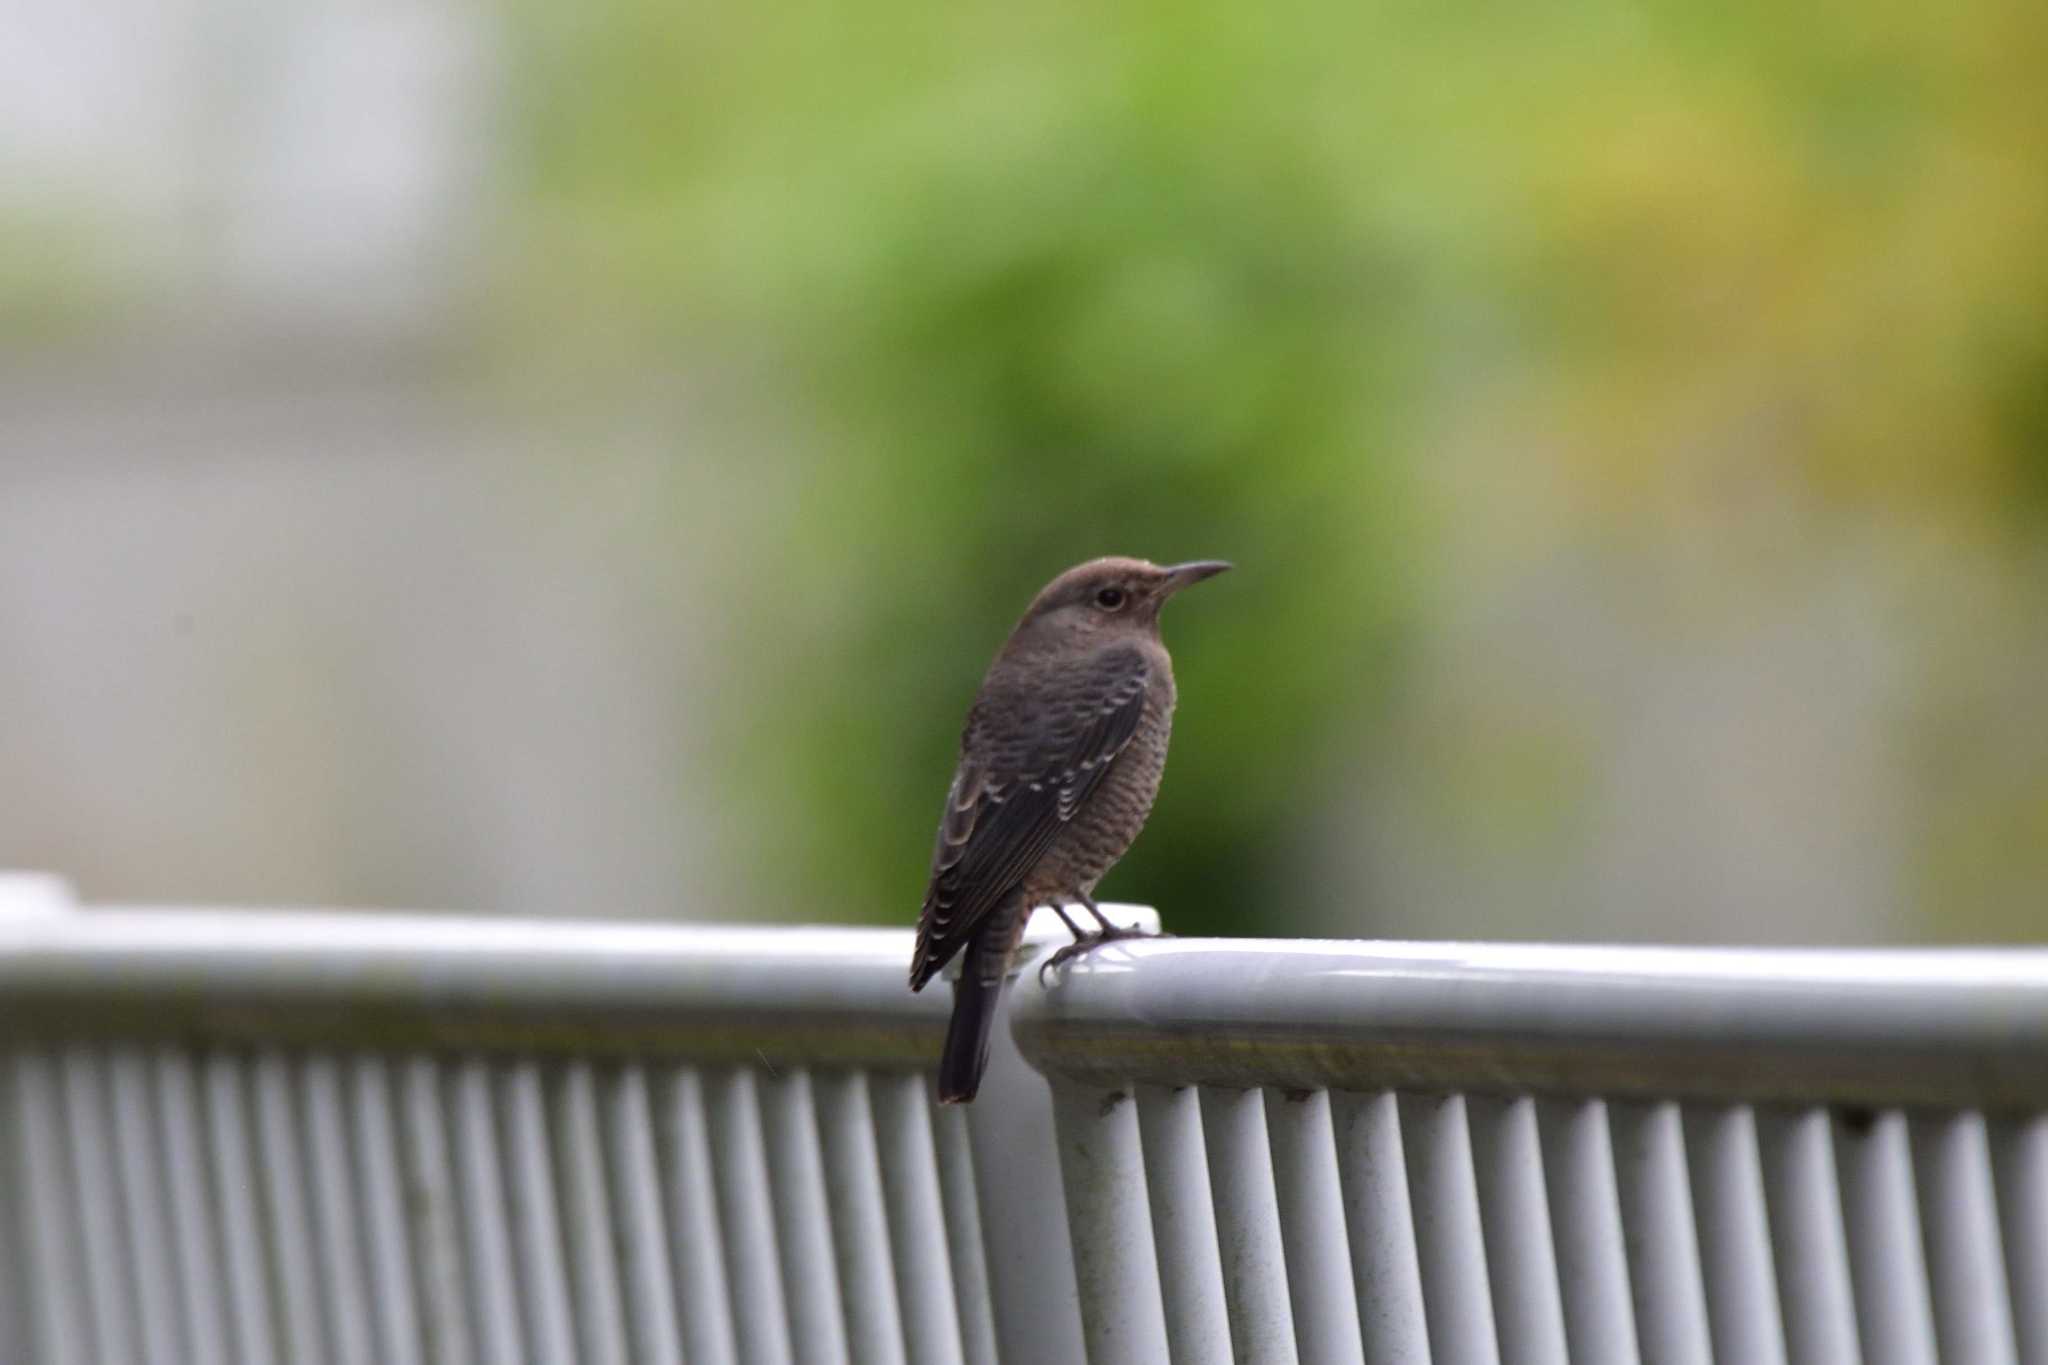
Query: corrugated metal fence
[[348, 1138]]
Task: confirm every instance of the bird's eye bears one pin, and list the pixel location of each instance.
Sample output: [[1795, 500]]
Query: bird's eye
[[1109, 599]]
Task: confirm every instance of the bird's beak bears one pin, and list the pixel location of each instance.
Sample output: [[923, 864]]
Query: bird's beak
[[1179, 576]]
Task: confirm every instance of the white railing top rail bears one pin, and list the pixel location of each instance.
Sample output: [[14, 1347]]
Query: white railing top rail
[[779, 995], [1946, 1028]]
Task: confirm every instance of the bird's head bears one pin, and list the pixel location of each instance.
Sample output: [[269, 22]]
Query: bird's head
[[1106, 599]]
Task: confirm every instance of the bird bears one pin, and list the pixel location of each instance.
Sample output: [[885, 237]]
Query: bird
[[1060, 760]]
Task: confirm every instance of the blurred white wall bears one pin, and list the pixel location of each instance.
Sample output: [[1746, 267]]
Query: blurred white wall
[[278, 641], [284, 617], [319, 165]]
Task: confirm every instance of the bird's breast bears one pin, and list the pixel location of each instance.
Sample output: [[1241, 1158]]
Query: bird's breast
[[1104, 829]]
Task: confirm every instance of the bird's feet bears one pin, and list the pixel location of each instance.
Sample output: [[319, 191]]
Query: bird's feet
[[1109, 933]]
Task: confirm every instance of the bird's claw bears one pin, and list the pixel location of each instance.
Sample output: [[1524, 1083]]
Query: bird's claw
[[1067, 954], [1091, 942]]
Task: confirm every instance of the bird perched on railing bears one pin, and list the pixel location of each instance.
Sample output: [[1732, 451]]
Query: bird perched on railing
[[1059, 762]]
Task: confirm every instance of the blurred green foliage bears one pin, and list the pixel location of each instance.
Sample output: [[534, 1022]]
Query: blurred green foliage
[[1218, 279]]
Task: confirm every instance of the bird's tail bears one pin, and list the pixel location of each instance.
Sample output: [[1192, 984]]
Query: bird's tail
[[975, 997]]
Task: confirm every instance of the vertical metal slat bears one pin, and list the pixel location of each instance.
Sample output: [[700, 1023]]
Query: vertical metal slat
[[860, 1223], [230, 1132], [1514, 1210], [1248, 1226], [1959, 1214], [1592, 1256], [1311, 1204], [108, 1290], [432, 1214], [803, 1222], [159, 1330], [1184, 1225], [196, 1255], [335, 1212], [536, 1220], [586, 1210], [290, 1226], [961, 1192], [495, 1292], [1386, 1272], [747, 1215], [1810, 1247], [917, 1222], [387, 1251], [16, 1336], [2020, 1151], [1887, 1269], [1656, 1210], [1027, 1243], [696, 1247], [637, 1202], [1735, 1236], [55, 1305], [1102, 1167], [1450, 1245]]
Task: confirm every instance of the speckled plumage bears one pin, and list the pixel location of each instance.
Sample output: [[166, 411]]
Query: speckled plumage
[[1060, 761]]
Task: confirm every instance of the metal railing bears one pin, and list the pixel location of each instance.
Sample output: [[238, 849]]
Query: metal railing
[[313, 1138], [1337, 1152], [376, 1140]]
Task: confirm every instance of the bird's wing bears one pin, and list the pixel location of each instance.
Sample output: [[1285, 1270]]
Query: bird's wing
[[1028, 763]]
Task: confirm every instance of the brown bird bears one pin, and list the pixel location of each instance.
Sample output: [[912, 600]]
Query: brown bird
[[1059, 762]]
